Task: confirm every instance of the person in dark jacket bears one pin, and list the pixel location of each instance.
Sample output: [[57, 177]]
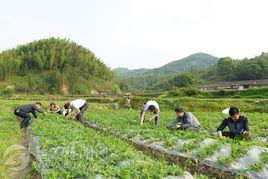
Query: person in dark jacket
[[188, 121], [24, 111], [237, 124]]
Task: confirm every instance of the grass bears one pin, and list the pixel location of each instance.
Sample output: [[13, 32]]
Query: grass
[[10, 135]]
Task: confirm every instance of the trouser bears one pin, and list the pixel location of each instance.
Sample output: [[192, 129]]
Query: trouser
[[228, 134], [25, 116], [80, 116], [60, 112], [188, 127]]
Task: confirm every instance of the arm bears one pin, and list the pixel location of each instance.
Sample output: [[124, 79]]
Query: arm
[[173, 123], [38, 110], [245, 131], [152, 117], [222, 127], [34, 114], [246, 124], [142, 117], [220, 134], [77, 111], [68, 113]]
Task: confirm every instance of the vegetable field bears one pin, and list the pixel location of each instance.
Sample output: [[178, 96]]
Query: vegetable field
[[64, 148], [225, 154]]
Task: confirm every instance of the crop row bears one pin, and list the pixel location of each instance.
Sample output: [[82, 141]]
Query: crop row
[[66, 149], [126, 122]]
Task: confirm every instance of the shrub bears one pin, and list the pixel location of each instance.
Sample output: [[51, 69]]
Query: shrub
[[192, 91]]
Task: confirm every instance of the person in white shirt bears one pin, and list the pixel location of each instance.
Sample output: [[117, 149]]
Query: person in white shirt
[[151, 106], [79, 105]]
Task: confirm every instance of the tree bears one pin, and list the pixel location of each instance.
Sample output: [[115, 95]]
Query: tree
[[185, 79], [226, 68]]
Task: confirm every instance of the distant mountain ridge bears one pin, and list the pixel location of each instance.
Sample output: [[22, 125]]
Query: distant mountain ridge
[[144, 78], [197, 61]]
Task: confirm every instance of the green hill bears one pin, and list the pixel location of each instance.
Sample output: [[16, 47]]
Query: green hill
[[54, 66], [146, 78]]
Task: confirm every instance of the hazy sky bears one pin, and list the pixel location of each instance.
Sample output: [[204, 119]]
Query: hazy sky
[[141, 33]]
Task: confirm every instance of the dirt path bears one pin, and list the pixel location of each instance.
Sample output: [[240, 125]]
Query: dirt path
[[27, 172]]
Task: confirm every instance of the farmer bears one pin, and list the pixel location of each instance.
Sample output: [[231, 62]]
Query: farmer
[[24, 110], [128, 101], [79, 105], [151, 106], [54, 108], [188, 121], [237, 124]]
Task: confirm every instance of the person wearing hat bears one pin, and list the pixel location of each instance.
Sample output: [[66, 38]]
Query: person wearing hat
[[188, 121], [54, 108], [237, 124]]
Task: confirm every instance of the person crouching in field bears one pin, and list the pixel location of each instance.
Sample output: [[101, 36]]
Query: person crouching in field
[[54, 108], [23, 111], [79, 105], [151, 106], [237, 124], [188, 121]]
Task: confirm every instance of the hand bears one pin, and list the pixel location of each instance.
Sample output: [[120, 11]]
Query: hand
[[246, 134], [178, 126], [220, 134], [151, 118]]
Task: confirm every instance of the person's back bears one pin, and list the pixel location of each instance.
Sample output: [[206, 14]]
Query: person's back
[[192, 120], [77, 103], [28, 108], [151, 103]]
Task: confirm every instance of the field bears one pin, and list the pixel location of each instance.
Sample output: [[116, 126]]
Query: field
[[126, 122], [66, 149]]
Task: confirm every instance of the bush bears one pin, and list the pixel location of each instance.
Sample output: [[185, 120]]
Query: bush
[[175, 91], [7, 92], [192, 91]]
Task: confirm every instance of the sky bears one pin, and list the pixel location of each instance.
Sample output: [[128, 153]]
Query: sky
[[141, 33]]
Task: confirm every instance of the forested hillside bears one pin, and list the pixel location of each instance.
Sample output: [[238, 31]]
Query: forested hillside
[[55, 66], [148, 78], [228, 69], [195, 70]]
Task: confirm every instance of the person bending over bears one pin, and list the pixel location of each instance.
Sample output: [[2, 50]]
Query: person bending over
[[150, 106], [188, 121], [23, 112]]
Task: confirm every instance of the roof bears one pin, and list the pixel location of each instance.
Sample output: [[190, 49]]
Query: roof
[[236, 83]]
